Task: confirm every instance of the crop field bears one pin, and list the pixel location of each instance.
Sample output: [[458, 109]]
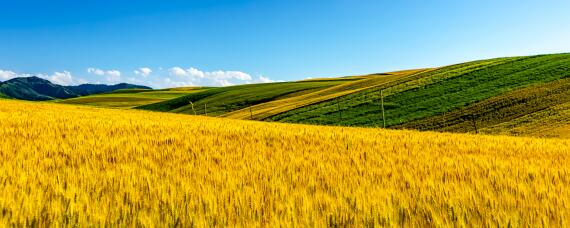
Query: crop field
[[434, 92], [268, 109], [87, 166], [499, 109], [221, 100], [130, 98], [550, 122]]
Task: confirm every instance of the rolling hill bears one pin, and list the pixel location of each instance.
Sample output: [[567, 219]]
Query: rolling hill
[[477, 96], [130, 98], [219, 101], [38, 89]]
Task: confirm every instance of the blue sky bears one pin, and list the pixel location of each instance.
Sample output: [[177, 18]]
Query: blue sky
[[177, 43]]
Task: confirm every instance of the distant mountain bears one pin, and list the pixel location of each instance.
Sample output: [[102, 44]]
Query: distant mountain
[[38, 89]]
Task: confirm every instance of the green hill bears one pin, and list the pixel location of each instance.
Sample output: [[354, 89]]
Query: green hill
[[218, 101], [433, 93], [513, 95], [130, 98], [496, 110]]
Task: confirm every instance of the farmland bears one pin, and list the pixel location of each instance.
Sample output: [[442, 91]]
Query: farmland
[[66, 165], [499, 109], [131, 98], [434, 92], [464, 97], [218, 101]]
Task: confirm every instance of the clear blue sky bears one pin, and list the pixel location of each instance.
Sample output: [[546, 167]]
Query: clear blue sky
[[232, 42]]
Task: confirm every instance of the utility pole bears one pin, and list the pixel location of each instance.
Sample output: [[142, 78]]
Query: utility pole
[[205, 109], [193, 108], [474, 124], [250, 113], [382, 105]]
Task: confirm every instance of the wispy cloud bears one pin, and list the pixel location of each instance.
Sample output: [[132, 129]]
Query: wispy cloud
[[112, 76], [61, 78], [7, 75], [214, 78], [161, 78], [143, 71]]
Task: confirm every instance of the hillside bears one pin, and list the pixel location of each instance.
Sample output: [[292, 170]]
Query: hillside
[[130, 98], [34, 88], [471, 97], [37, 89], [498, 109], [425, 100], [267, 109], [218, 101], [66, 165]]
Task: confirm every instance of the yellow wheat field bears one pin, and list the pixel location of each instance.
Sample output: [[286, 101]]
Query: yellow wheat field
[[64, 165]]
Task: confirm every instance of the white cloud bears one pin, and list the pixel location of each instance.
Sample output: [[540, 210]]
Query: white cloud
[[95, 71], [62, 78], [82, 81], [7, 75], [143, 71], [214, 78], [177, 71], [265, 79], [112, 76], [171, 83]]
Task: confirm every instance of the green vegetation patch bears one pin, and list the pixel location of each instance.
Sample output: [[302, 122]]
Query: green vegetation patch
[[434, 92], [498, 109], [217, 101]]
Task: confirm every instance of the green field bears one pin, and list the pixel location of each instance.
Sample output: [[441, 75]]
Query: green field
[[478, 96], [267, 109], [433, 93], [218, 101], [499, 109], [129, 98], [550, 122]]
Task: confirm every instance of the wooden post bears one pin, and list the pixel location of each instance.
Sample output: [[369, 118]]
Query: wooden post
[[474, 124], [193, 108], [250, 113], [382, 105], [205, 109]]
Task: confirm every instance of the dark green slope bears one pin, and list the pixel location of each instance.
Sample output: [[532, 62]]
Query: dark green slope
[[433, 93], [498, 109], [35, 89]]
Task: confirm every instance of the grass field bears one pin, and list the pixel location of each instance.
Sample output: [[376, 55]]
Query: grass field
[[551, 122], [130, 98], [499, 109], [434, 92], [65, 165], [218, 101], [271, 108]]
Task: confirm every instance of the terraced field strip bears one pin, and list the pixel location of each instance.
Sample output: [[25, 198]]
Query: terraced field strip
[[218, 101], [498, 109], [127, 98], [327, 113], [551, 122], [433, 93], [268, 109]]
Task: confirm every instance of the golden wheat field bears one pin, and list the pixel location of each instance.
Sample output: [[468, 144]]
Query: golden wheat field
[[64, 165]]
